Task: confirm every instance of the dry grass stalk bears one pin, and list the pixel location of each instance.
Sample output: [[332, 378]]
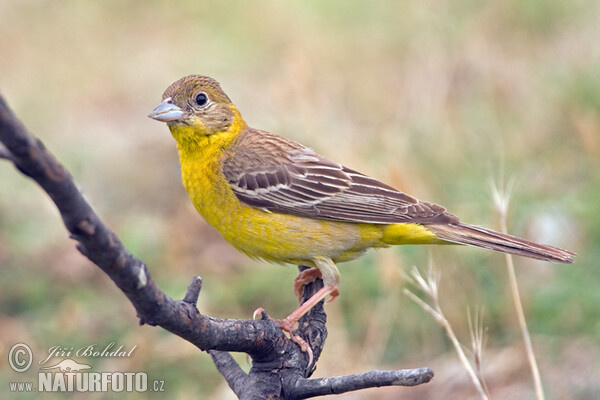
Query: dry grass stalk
[[478, 341], [429, 285], [501, 200]]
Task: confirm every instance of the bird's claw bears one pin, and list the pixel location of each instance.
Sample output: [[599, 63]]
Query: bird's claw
[[335, 293], [288, 325], [260, 311]]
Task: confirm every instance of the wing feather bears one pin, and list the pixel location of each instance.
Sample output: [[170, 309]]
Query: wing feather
[[276, 174]]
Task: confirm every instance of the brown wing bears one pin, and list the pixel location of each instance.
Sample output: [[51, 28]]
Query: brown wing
[[272, 173]]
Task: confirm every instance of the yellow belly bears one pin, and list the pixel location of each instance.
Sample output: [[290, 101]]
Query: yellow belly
[[284, 238]]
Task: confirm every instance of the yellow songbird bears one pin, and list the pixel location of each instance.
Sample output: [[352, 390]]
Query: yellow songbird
[[277, 200]]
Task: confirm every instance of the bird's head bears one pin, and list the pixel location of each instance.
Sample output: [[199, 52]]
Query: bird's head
[[196, 106]]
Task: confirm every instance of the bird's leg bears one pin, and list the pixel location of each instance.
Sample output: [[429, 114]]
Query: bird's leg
[[331, 280]]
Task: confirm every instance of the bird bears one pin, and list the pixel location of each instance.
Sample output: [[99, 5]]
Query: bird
[[279, 201]]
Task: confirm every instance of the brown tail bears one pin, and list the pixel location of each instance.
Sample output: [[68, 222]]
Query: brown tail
[[488, 239]]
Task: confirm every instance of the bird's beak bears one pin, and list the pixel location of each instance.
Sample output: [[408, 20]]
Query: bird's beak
[[166, 111]]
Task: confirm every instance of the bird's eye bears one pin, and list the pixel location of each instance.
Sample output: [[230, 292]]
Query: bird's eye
[[201, 99]]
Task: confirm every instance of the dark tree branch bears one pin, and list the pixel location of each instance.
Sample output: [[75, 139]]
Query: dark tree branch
[[5, 154], [279, 368], [231, 371], [341, 384]]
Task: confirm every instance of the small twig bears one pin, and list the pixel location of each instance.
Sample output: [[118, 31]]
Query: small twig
[[193, 291]]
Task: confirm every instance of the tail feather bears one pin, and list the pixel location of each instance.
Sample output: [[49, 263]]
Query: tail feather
[[488, 239]]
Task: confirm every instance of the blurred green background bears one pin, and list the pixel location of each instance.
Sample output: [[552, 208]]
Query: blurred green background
[[436, 98]]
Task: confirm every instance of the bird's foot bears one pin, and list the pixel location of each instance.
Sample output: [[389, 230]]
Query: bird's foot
[[288, 325]]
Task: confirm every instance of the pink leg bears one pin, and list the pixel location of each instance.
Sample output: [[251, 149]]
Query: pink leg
[[331, 279], [289, 323]]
